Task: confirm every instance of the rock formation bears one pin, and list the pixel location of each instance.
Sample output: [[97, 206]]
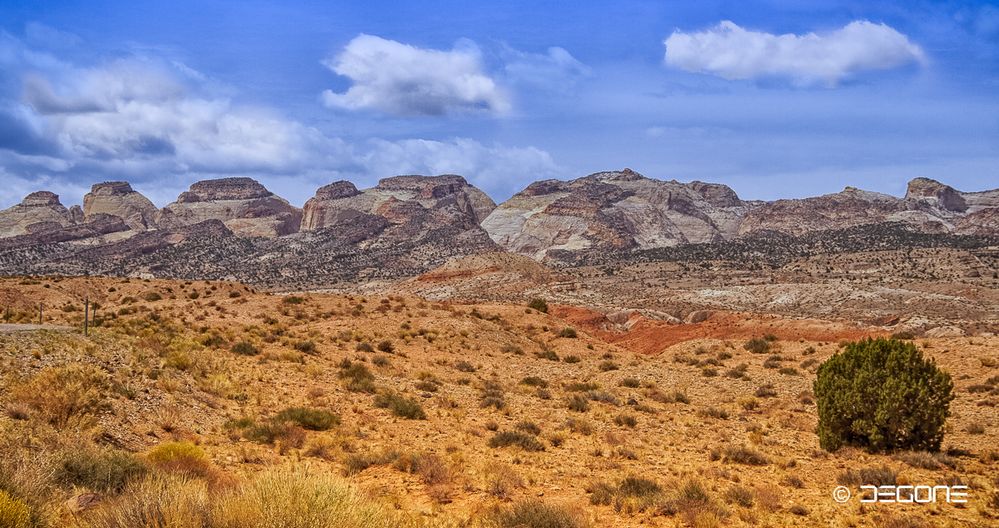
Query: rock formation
[[420, 202], [119, 199], [39, 211], [244, 205], [617, 210]]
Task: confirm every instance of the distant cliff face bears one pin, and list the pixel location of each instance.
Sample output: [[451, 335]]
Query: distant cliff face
[[406, 225], [244, 205], [417, 202], [38, 211], [623, 210], [617, 210], [119, 199]]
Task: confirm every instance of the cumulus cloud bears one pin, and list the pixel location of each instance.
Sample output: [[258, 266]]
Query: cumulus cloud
[[732, 52], [400, 79], [161, 125]]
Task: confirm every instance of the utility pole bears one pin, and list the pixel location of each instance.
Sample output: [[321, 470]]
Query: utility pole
[[39, 313], [86, 316]]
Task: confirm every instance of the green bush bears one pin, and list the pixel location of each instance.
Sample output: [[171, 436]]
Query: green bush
[[245, 348], [106, 470], [525, 441], [757, 345], [539, 305], [307, 418], [400, 406], [357, 377], [881, 394]]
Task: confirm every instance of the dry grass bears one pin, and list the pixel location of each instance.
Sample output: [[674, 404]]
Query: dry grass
[[64, 394], [165, 375]]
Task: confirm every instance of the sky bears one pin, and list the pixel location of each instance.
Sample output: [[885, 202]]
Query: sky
[[775, 99]]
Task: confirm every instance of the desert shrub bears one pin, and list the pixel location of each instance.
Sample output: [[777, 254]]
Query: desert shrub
[[607, 366], [293, 299], [741, 455], [528, 427], [464, 366], [740, 495], [299, 498], [245, 348], [364, 346], [881, 394], [380, 361], [571, 359], [579, 386], [568, 332], [631, 383], [631, 494], [713, 412], [306, 347], [62, 394], [386, 346], [578, 425], [14, 513], [180, 457], [872, 476], [548, 354], [534, 381], [766, 391], [519, 439], [975, 428], [105, 470], [626, 420], [539, 305], [151, 296], [357, 377], [427, 386], [578, 403], [358, 462], [160, 501], [757, 345], [400, 405], [502, 480], [431, 468], [926, 460], [533, 513], [308, 418]]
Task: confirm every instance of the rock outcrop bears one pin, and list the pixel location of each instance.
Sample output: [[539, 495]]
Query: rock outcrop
[[245, 206], [119, 199], [39, 211], [417, 202], [848, 208], [623, 211], [618, 210]]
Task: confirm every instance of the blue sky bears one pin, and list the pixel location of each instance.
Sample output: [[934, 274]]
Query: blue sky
[[775, 100]]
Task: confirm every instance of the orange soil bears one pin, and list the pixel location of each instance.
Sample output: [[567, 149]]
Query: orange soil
[[650, 336]]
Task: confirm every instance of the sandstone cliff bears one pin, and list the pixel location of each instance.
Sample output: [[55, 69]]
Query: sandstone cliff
[[617, 210], [416, 201], [244, 205], [119, 199], [39, 211]]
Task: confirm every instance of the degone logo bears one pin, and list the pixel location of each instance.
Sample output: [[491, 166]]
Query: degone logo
[[905, 494]]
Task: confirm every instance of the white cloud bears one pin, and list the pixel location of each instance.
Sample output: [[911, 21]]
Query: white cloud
[[732, 52], [161, 125], [397, 78]]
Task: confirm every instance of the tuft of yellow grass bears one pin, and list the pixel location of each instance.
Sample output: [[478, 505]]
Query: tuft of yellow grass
[[300, 497]]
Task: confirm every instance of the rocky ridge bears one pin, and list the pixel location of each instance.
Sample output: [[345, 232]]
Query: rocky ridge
[[407, 225]]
